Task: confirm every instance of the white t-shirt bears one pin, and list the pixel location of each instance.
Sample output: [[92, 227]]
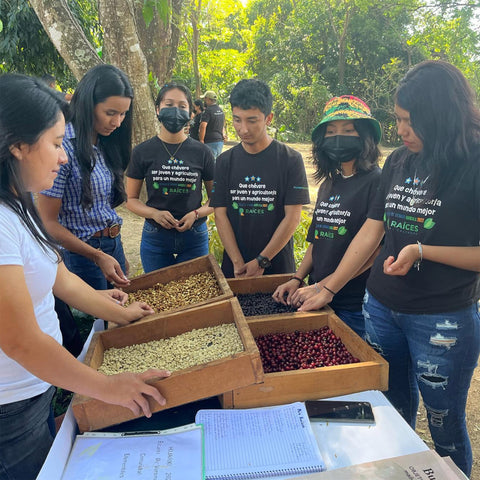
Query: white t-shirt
[[18, 247]]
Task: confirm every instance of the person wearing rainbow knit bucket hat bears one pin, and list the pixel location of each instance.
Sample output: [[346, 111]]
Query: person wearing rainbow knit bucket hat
[[345, 153]]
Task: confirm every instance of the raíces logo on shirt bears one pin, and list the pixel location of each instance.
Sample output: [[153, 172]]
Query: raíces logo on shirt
[[330, 218], [408, 208], [251, 197]]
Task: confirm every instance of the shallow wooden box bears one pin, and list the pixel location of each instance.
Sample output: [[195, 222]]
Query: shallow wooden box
[[177, 272], [371, 373], [263, 284], [182, 386]]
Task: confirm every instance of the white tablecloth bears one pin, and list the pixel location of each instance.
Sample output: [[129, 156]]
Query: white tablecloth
[[341, 444]]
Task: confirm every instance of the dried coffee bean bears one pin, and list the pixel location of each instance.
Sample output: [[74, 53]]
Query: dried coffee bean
[[178, 293], [261, 304], [188, 349]]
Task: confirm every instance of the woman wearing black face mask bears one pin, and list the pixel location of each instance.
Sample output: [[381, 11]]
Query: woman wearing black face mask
[[345, 153], [173, 166]]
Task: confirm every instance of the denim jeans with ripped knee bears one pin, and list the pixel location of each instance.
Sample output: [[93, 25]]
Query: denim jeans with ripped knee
[[435, 354]]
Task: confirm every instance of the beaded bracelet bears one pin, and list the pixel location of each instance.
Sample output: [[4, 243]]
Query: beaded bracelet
[[196, 214]]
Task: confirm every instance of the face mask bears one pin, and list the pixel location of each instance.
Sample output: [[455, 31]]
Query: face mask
[[342, 148], [173, 118]]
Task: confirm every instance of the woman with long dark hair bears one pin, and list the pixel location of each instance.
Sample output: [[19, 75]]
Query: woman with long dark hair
[[174, 168], [345, 155], [420, 308], [32, 359], [79, 210]]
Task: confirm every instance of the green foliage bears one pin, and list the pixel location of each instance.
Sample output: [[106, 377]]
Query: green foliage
[[161, 6], [300, 243], [26, 48], [223, 47]]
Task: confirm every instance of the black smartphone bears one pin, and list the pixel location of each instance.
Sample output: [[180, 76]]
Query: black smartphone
[[340, 411]]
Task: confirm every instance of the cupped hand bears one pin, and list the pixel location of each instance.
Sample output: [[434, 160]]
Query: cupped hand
[[114, 294], [131, 390], [404, 261], [285, 289], [138, 310], [112, 270], [165, 219]]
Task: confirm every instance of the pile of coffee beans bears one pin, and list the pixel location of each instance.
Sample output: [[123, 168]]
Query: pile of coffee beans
[[282, 352], [261, 304]]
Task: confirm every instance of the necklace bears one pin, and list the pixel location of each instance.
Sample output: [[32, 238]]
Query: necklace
[[347, 176], [172, 155]]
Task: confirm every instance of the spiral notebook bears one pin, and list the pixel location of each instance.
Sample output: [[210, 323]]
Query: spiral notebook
[[259, 442]]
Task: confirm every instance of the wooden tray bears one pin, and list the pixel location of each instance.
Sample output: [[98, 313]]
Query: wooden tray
[[183, 386], [371, 373], [178, 272]]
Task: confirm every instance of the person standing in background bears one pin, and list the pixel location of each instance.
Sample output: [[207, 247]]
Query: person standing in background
[[212, 124], [198, 109], [52, 83], [260, 186]]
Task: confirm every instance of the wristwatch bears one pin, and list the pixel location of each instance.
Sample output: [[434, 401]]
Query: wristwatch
[[263, 262]]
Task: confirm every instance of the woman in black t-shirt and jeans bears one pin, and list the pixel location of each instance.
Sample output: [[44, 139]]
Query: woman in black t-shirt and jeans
[[345, 153], [174, 168], [421, 305]]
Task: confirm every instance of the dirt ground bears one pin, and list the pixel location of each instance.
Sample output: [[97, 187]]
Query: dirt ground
[[131, 234]]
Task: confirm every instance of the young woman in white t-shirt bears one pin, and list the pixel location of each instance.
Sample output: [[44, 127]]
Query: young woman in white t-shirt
[[32, 127]]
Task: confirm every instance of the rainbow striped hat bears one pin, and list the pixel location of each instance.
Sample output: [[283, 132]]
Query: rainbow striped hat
[[348, 107]]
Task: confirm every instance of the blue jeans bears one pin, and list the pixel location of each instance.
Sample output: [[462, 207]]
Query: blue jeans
[[433, 353], [354, 320], [87, 270], [25, 436], [215, 147], [161, 247]]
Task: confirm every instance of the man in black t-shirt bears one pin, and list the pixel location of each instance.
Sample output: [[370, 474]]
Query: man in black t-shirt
[[260, 186], [212, 124]]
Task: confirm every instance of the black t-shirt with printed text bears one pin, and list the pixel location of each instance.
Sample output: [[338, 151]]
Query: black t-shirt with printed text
[[255, 188], [174, 183], [215, 119], [411, 212], [340, 211]]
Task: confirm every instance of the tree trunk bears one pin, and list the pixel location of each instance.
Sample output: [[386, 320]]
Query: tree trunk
[[67, 35], [159, 41], [122, 48], [194, 18]]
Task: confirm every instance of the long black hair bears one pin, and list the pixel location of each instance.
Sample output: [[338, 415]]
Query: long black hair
[[28, 107], [99, 83], [325, 168], [444, 116]]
